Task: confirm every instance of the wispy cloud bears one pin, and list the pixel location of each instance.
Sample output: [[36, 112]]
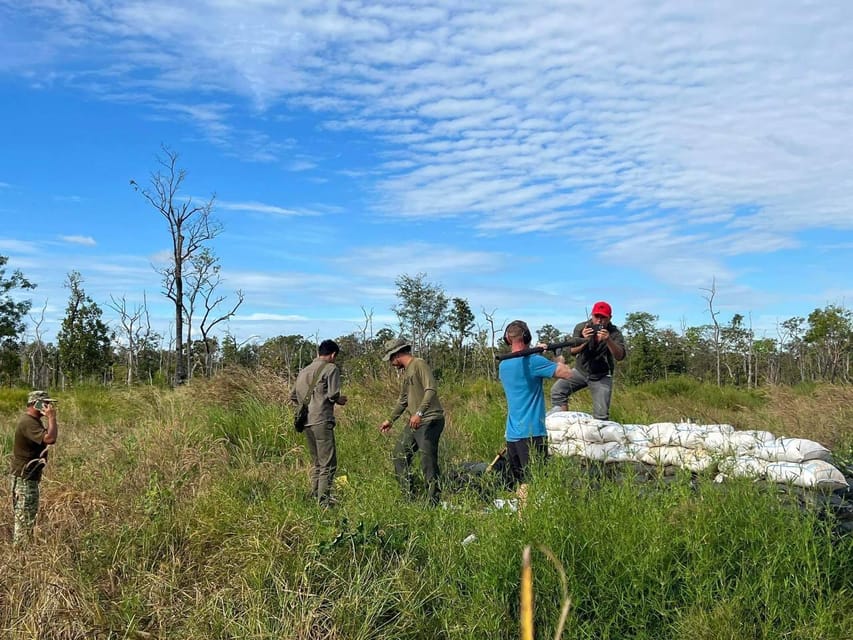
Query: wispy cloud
[[263, 208], [88, 241], [10, 245], [557, 108], [413, 258], [664, 138], [263, 317]]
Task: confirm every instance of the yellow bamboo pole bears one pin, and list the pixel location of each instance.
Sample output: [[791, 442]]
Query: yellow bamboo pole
[[526, 595]]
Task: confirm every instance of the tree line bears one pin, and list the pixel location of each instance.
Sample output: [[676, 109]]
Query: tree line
[[458, 343], [445, 330]]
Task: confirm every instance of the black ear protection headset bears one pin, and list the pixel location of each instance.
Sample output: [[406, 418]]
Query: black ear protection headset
[[525, 331]]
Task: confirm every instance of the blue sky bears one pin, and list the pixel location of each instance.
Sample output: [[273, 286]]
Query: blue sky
[[530, 157]]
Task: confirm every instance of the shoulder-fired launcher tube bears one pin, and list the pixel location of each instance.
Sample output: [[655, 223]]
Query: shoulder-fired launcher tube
[[552, 346]]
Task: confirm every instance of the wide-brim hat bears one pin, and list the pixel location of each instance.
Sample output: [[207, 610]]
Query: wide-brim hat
[[393, 346]]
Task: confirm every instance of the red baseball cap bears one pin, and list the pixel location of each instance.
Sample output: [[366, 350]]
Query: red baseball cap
[[602, 309]]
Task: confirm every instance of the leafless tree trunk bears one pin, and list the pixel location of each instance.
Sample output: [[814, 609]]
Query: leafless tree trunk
[[493, 332], [190, 226], [751, 377], [209, 321], [716, 336], [36, 356], [136, 327]]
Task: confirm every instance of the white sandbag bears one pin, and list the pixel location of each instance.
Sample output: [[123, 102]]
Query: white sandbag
[[722, 428], [638, 433], [599, 451], [749, 441], [560, 420], [665, 456], [699, 461], [626, 453], [660, 433], [554, 438], [696, 460], [688, 435], [718, 442], [793, 450], [588, 450], [612, 432], [577, 415], [555, 435], [814, 474], [570, 447], [586, 430], [742, 467]]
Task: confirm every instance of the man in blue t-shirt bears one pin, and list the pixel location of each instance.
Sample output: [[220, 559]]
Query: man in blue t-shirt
[[525, 421]]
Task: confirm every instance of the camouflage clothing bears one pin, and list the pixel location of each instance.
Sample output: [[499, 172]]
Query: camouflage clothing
[[25, 505], [29, 456]]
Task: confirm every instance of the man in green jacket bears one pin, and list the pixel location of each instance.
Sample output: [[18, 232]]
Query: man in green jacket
[[426, 422]]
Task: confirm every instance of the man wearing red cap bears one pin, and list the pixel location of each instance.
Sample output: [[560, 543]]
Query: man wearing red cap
[[595, 360]]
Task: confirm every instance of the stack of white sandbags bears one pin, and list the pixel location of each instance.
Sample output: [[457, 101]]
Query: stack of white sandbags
[[697, 447]]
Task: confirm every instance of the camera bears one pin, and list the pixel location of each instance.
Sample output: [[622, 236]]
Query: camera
[[596, 327]]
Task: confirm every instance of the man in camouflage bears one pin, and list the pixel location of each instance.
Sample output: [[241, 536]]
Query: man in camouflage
[[29, 456]]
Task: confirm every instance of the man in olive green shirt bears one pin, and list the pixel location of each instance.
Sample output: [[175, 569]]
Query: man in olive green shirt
[[29, 455], [322, 379], [426, 422]]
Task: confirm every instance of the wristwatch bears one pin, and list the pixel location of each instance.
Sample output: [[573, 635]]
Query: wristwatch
[[420, 414]]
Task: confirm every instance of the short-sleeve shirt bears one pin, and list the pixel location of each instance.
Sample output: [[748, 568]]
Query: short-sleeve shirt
[[28, 445], [522, 381]]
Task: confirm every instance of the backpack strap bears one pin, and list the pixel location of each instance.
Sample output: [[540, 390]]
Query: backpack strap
[[317, 377]]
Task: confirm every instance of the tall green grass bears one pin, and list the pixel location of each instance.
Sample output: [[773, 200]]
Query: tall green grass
[[182, 515]]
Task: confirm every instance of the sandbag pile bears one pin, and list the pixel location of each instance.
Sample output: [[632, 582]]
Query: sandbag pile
[[701, 448]]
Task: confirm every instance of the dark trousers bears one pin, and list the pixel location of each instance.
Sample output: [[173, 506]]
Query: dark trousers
[[522, 452], [324, 459], [425, 439]]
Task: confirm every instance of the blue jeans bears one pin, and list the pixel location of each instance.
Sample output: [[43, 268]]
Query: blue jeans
[[600, 388]]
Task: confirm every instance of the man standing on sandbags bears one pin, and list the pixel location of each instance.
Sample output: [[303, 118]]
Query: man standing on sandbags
[[595, 361], [522, 378], [418, 394]]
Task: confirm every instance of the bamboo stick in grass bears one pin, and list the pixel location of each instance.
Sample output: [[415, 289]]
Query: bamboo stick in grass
[[526, 595]]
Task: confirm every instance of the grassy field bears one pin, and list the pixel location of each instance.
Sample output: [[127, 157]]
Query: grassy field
[[182, 515]]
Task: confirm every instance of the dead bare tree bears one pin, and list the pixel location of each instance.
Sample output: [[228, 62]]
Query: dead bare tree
[[136, 329], [190, 226], [493, 332], [712, 292], [37, 377], [209, 320], [366, 331]]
